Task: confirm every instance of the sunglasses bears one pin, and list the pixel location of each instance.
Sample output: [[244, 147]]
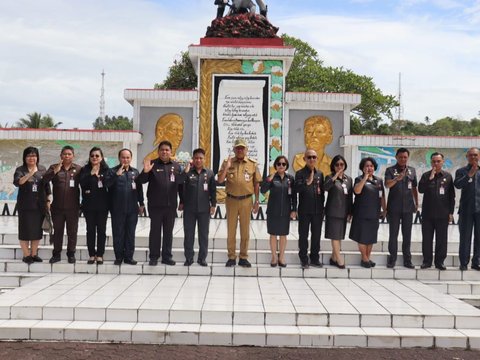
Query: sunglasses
[[95, 156], [311, 157], [339, 164], [281, 164]]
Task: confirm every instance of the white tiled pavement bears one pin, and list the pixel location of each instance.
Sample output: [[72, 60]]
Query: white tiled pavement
[[261, 306]]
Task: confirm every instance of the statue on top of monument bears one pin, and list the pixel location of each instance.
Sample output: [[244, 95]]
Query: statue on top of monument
[[240, 7]]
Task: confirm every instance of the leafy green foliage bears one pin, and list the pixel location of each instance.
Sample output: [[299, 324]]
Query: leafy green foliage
[[113, 123], [181, 75], [35, 120]]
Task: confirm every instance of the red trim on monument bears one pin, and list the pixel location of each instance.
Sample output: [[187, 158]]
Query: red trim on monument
[[241, 42]]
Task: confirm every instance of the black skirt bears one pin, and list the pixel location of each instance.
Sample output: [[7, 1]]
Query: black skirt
[[278, 225], [364, 231], [30, 225], [335, 228]]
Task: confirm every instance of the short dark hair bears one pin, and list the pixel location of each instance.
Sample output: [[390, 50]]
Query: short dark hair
[[30, 150], [402, 150], [335, 160], [165, 142], [277, 160], [198, 151], [67, 147], [364, 160], [124, 149], [436, 153]]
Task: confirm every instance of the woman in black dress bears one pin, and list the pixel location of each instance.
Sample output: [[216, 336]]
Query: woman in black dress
[[339, 206], [282, 206], [93, 180], [369, 206], [31, 203]]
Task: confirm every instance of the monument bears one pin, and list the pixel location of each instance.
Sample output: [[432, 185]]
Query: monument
[[242, 66]]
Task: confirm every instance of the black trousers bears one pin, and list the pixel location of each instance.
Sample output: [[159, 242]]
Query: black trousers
[[468, 222], [123, 231], [59, 219], [306, 223], [190, 219], [96, 227], [439, 227], [394, 220], [161, 217]]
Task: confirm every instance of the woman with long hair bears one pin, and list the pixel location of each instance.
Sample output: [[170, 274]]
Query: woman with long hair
[[93, 179]]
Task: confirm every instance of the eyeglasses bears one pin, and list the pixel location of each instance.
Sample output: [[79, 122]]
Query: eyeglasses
[[339, 164], [281, 164], [95, 155], [311, 157]]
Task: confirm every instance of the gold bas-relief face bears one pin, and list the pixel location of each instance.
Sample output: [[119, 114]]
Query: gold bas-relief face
[[169, 127]]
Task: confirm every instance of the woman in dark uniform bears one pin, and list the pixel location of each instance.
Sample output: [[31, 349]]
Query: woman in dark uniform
[[126, 201], [93, 179], [282, 206], [31, 203], [369, 206], [338, 208]]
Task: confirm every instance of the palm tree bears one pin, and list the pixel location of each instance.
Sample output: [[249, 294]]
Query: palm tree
[[37, 121]]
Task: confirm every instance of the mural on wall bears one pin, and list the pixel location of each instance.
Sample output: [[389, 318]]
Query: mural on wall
[[318, 133], [11, 157], [419, 159], [168, 127]]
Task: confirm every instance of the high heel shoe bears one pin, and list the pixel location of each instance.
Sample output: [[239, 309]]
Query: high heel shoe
[[333, 262], [91, 260], [273, 264], [99, 260], [283, 265]]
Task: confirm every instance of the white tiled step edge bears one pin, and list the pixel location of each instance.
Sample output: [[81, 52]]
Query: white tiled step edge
[[194, 334], [264, 270], [456, 287], [12, 279]]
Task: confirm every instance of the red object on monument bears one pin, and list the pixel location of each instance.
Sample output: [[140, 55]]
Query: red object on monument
[[214, 41]]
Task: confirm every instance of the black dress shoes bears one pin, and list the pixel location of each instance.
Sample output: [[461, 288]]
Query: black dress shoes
[[441, 267], [37, 258], [476, 267], [71, 260], [305, 265], [169, 262], [118, 262], [230, 263], [317, 264], [425, 266], [188, 262], [463, 267], [365, 264], [372, 264], [130, 261], [409, 265], [153, 262], [54, 259], [202, 262], [27, 259], [244, 263]]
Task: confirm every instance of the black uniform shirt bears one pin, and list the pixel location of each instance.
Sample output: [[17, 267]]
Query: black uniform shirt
[[311, 197], [199, 191], [400, 196], [438, 195]]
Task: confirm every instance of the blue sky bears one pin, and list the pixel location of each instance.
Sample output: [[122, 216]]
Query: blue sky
[[53, 51]]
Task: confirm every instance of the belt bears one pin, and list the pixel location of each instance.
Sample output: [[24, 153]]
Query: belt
[[239, 197]]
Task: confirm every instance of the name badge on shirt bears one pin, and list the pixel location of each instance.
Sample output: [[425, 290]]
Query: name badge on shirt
[[100, 184], [34, 188], [380, 193], [205, 187], [345, 190], [247, 177], [172, 177], [72, 183], [410, 185], [134, 185], [442, 190]]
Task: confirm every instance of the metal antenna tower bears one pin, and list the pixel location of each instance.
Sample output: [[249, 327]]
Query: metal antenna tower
[[102, 97], [400, 106]]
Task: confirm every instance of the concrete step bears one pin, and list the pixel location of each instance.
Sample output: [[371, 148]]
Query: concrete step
[[456, 287], [239, 335]]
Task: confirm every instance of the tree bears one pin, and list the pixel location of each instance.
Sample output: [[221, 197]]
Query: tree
[[181, 75], [307, 73], [113, 123], [37, 121]]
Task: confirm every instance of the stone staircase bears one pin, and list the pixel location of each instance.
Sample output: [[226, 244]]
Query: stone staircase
[[261, 306]]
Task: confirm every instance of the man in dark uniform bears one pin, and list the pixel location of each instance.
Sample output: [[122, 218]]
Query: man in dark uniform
[[437, 211], [468, 179], [401, 181], [126, 196], [309, 186], [66, 203], [163, 176], [199, 202]]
